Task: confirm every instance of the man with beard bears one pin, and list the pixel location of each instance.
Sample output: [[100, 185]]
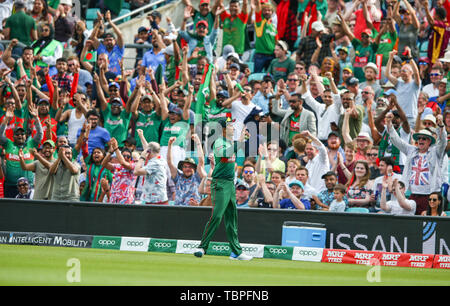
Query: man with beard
[[423, 167], [295, 119], [187, 175], [401, 125], [26, 60], [318, 163], [98, 136], [371, 73], [234, 26], [43, 182], [154, 57], [13, 170], [356, 114], [66, 174], [204, 12], [326, 112], [148, 119], [112, 46], [326, 195], [117, 118]]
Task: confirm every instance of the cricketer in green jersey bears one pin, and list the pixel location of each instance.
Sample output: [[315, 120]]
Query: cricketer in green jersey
[[223, 194]]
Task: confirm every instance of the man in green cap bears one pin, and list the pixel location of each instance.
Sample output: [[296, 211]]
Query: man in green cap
[[223, 194]]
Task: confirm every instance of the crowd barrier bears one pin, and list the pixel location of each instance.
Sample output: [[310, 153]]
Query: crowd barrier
[[346, 231]]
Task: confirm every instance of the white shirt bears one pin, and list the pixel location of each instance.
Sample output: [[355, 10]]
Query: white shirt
[[395, 208], [324, 115], [239, 112], [430, 90], [317, 167]]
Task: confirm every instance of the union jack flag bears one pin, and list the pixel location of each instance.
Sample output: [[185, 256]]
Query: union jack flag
[[420, 171]]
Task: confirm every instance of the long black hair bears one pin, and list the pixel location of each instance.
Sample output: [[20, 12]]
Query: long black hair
[[441, 203]]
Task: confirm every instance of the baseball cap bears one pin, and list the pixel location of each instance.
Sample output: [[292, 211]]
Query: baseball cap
[[223, 93], [296, 182], [204, 1], [371, 65], [329, 173], [283, 45], [115, 84], [268, 77], [202, 22], [342, 48], [43, 101], [367, 31], [173, 108], [317, 26], [352, 81], [22, 180], [50, 142], [234, 65], [241, 183], [333, 133], [18, 128], [390, 92], [142, 29], [116, 101]]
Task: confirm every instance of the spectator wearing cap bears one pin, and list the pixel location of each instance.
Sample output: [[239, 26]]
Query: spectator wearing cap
[[242, 194], [364, 50], [13, 171], [116, 117], [49, 124], [295, 119], [142, 37], [326, 195], [342, 58], [43, 181], [221, 61], [175, 123], [203, 42], [216, 110], [370, 75], [234, 26], [204, 12], [423, 170], [20, 26], [148, 120], [25, 191], [265, 36], [328, 111], [281, 65], [291, 196], [407, 86]]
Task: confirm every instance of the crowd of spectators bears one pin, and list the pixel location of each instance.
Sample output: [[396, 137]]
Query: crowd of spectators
[[336, 104]]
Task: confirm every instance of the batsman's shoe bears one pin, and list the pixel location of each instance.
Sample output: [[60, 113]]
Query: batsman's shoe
[[199, 252], [240, 257]]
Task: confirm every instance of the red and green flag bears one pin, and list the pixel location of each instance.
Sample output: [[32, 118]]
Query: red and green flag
[[91, 57], [203, 91]]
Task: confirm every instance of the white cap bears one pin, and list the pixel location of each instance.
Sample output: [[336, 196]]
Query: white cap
[[67, 2], [317, 26], [371, 65]]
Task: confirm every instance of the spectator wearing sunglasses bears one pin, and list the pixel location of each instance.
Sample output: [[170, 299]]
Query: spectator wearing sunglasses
[[435, 205], [249, 176], [25, 191], [436, 75]]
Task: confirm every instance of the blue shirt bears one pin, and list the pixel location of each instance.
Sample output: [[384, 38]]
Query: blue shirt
[[115, 56], [208, 43], [153, 60], [261, 101], [287, 204], [98, 138]]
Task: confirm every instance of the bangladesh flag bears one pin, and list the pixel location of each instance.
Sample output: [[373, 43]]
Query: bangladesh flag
[[91, 57], [203, 91]]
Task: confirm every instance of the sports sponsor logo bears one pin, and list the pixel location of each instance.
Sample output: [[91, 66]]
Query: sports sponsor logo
[[307, 254], [105, 242], [441, 262], [219, 248], [162, 245], [254, 250], [186, 246], [279, 252], [134, 244]]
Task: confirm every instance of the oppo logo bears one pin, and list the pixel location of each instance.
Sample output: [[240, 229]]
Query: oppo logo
[[162, 244], [249, 249], [307, 253], [135, 243], [220, 248], [190, 245], [277, 251], [106, 242]]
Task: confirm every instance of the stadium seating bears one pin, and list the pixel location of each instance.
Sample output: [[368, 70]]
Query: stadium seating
[[256, 76], [447, 213], [357, 210]]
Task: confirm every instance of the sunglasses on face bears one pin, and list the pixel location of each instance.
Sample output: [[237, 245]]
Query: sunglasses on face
[[248, 172], [372, 154], [434, 74], [22, 185], [422, 138], [292, 80], [432, 200]]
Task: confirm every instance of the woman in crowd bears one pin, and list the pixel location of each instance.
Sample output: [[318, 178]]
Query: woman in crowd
[[435, 205], [359, 188], [94, 174], [46, 49]]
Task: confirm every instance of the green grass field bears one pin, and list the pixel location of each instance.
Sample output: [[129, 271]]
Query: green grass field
[[45, 266]]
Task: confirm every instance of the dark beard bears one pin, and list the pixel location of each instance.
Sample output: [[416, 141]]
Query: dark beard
[[334, 146]]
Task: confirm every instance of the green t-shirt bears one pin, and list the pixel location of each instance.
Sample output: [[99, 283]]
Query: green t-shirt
[[209, 18], [265, 35], [234, 31], [149, 124], [363, 55], [354, 124], [214, 113], [20, 26], [94, 175], [178, 130], [294, 126], [387, 43], [280, 70], [225, 159], [117, 126], [13, 170]]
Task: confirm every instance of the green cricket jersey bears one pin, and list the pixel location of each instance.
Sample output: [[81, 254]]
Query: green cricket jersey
[[234, 31], [149, 124], [266, 35], [225, 159], [117, 126]]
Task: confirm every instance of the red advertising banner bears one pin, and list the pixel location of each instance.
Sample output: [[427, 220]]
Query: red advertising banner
[[441, 262]]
